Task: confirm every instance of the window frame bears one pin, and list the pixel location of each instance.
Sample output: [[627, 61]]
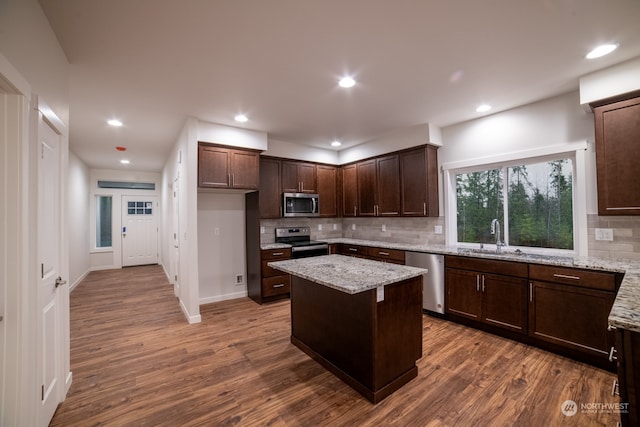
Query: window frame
[[576, 152], [94, 216]]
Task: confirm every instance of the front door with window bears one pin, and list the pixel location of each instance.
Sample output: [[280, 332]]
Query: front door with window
[[139, 230]]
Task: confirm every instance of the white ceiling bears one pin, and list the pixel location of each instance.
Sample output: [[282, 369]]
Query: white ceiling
[[153, 63]]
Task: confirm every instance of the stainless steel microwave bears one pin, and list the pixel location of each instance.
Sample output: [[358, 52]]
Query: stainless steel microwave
[[301, 205]]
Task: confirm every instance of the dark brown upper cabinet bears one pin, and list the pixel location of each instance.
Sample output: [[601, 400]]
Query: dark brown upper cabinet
[[299, 177], [419, 182], [379, 186], [223, 167], [617, 127], [349, 190], [327, 180], [270, 188]]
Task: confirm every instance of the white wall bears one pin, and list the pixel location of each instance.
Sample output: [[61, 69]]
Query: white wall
[[221, 246], [396, 140], [37, 66], [612, 81], [228, 135], [288, 150], [79, 224], [108, 258]]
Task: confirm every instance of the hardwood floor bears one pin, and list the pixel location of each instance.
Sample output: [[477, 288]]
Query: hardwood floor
[[136, 362]]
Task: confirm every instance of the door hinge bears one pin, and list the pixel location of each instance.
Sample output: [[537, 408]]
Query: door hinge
[[42, 271], [176, 277], [42, 398]]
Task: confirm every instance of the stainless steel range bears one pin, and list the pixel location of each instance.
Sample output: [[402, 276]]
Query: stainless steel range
[[300, 240]]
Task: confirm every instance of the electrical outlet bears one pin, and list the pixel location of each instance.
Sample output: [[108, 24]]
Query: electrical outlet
[[216, 231], [261, 230], [335, 226], [438, 229], [604, 234], [239, 279], [353, 226], [384, 228], [319, 227]]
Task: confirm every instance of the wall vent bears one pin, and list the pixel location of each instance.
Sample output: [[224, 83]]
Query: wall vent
[[127, 185]]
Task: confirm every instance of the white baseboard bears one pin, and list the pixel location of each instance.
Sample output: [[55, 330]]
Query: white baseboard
[[67, 382], [218, 298], [105, 267], [191, 319], [80, 279], [166, 273]]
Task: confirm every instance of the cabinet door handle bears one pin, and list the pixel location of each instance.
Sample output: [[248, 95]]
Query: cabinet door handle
[[281, 285], [424, 208], [566, 276], [353, 250], [611, 356], [530, 291], [477, 282], [354, 210], [615, 389], [229, 179], [383, 253], [233, 179], [483, 283], [277, 253]]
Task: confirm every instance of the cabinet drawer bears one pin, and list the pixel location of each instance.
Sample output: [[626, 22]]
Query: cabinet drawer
[[387, 254], [276, 285], [355, 250], [573, 276], [268, 271], [505, 268], [275, 254]]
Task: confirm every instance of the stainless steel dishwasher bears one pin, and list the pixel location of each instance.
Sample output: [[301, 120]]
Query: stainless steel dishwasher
[[432, 282]]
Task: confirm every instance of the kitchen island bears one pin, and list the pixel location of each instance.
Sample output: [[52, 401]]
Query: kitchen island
[[360, 319]]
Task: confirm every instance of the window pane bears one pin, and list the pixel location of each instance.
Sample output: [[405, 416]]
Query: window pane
[[541, 205], [103, 221], [480, 200]]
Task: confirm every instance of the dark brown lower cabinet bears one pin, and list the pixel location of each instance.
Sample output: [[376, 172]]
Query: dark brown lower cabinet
[[571, 316], [628, 384], [493, 299]]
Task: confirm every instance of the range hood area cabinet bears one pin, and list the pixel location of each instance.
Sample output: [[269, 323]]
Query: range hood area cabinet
[[403, 183], [224, 167], [299, 177], [279, 176], [617, 126]]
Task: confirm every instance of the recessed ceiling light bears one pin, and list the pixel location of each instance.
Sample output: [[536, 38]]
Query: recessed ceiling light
[[601, 50], [336, 144], [482, 108], [346, 82], [241, 118], [114, 122], [125, 162]]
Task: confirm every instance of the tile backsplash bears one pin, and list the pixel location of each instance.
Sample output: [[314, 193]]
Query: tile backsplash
[[626, 237], [397, 230]]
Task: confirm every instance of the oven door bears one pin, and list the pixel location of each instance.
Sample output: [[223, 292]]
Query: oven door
[[309, 251]]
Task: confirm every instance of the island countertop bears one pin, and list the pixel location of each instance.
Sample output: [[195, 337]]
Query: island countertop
[[347, 274]]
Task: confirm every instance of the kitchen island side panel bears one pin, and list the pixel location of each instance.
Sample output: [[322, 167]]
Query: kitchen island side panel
[[372, 346]]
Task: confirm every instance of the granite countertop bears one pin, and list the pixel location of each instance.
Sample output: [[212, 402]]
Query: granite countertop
[[347, 274], [625, 312]]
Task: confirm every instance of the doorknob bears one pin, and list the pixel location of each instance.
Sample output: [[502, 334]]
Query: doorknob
[[60, 282]]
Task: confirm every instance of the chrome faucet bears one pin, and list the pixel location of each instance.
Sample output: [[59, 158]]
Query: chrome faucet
[[495, 229]]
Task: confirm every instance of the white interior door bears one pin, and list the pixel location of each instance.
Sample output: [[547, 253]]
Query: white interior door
[[139, 230], [175, 259], [49, 351]]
